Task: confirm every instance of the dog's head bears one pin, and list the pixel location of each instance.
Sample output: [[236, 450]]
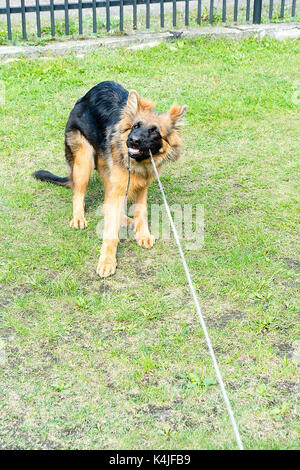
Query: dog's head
[[144, 129]]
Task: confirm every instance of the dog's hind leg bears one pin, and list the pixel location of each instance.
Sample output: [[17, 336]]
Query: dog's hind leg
[[125, 221], [82, 166]]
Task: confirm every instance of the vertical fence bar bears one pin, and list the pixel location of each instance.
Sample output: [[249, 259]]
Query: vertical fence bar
[[134, 14], [147, 14], [67, 27], [8, 20], [121, 15], [257, 11], [282, 8], [107, 15], [236, 8], [211, 11], [174, 13], [248, 10], [162, 14], [199, 12], [294, 8], [80, 16], [24, 34], [224, 11], [270, 9], [38, 17], [52, 21], [94, 17], [187, 13]]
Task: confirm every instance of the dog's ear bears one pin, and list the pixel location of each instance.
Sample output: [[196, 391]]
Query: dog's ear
[[132, 102], [176, 114], [135, 102]]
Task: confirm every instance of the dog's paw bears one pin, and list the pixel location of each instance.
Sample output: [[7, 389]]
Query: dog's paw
[[145, 241], [106, 267], [78, 222]]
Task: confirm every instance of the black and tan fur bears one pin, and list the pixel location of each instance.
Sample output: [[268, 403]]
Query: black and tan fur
[[105, 128]]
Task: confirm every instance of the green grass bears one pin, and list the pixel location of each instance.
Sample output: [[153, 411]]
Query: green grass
[[122, 363]]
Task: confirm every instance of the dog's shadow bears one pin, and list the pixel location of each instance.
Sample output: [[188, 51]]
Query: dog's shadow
[[95, 193]]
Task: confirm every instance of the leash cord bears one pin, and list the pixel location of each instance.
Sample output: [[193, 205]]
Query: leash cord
[[203, 325], [128, 184]]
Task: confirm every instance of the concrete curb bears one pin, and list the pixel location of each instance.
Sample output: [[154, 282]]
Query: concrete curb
[[279, 31]]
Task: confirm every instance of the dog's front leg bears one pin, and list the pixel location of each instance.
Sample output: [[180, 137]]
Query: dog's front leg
[[112, 218], [142, 234]]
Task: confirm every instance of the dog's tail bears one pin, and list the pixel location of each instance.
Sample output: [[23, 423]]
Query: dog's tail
[[45, 175]]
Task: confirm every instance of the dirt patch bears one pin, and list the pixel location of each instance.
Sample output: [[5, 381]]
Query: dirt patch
[[292, 264], [7, 334], [104, 287], [223, 320], [160, 412], [22, 289], [9, 294], [284, 350], [143, 269], [290, 388], [48, 355], [93, 283], [5, 301], [144, 272]]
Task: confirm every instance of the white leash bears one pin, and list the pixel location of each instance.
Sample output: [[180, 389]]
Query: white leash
[[192, 289]]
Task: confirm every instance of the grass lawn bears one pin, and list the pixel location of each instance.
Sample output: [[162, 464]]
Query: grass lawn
[[122, 362]]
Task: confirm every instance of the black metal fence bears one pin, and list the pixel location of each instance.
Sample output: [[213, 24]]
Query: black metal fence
[[252, 11]]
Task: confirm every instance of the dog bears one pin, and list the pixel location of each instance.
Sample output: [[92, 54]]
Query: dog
[[106, 128]]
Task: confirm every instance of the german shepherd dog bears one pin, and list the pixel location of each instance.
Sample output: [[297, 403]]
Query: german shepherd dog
[[106, 128]]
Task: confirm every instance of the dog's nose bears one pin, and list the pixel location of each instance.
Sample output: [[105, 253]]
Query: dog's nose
[[135, 140]]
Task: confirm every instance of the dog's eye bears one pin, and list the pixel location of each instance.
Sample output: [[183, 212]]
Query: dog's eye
[[153, 129], [136, 125]]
